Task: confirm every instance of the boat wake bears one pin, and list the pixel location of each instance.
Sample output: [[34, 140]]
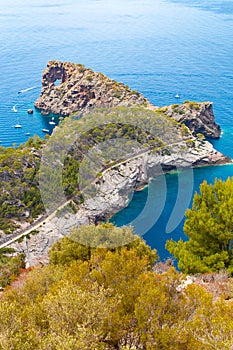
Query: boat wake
[[25, 90], [14, 109]]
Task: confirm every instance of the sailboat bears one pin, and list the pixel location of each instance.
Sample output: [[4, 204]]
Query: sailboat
[[177, 95]]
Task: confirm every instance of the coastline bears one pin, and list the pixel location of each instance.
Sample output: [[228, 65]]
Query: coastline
[[112, 196], [183, 146]]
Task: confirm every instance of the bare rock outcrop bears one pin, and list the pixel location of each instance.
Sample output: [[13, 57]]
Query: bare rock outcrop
[[198, 117], [68, 87]]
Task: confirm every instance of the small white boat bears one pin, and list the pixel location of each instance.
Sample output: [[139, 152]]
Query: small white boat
[[177, 95], [52, 122], [25, 90], [27, 133], [45, 130], [18, 126]]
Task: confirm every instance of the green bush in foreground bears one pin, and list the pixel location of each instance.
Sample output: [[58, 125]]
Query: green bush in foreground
[[83, 241], [209, 227], [9, 266]]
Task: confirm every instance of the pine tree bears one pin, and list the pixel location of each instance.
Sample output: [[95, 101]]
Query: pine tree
[[209, 227]]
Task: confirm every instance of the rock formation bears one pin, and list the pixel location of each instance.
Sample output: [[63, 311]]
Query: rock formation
[[79, 89], [68, 88], [198, 117]]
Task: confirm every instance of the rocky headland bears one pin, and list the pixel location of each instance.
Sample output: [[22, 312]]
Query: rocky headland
[[69, 88], [198, 117], [81, 90]]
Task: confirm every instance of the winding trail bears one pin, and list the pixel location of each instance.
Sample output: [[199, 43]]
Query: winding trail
[[44, 219]]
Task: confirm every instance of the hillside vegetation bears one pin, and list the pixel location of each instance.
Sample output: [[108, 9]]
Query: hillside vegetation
[[209, 229], [101, 138], [19, 194], [137, 129], [110, 299]]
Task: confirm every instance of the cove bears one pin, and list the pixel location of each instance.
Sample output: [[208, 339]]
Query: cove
[[156, 236]]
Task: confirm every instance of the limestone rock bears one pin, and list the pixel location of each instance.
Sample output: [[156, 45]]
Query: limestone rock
[[81, 89], [69, 88], [198, 117]]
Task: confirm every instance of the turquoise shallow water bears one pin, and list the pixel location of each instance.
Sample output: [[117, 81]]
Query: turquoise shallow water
[[157, 47]]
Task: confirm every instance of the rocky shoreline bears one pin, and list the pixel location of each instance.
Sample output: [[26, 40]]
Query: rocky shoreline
[[79, 90], [113, 193]]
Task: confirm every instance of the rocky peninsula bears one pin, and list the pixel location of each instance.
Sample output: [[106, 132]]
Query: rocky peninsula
[[80, 90], [69, 88]]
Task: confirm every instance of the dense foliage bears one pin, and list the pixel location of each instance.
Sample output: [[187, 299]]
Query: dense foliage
[[94, 143], [110, 299], [209, 227], [83, 241], [10, 267], [97, 141], [19, 193]]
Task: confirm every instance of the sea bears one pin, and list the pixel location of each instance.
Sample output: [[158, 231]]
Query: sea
[[158, 47]]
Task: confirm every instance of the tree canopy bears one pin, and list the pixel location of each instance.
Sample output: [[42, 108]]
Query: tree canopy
[[209, 227], [83, 241], [19, 189]]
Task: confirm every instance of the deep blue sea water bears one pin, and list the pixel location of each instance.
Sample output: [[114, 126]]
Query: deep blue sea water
[[157, 47]]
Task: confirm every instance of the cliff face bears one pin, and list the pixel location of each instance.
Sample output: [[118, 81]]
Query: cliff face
[[198, 117], [69, 87]]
